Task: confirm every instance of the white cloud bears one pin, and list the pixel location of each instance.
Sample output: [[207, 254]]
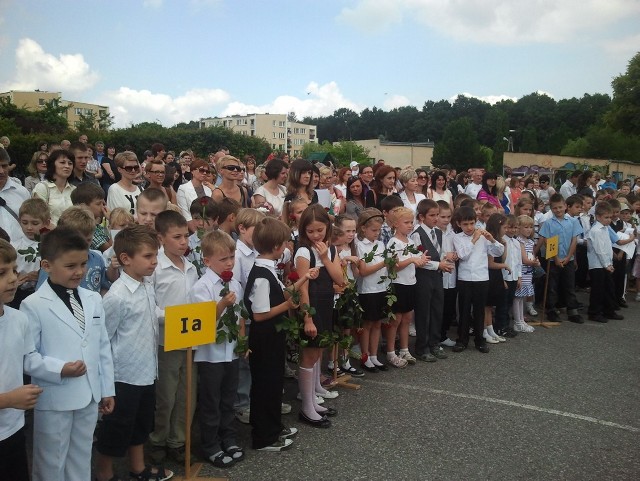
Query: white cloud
[[37, 69], [625, 47], [134, 106], [495, 21], [320, 100], [395, 101], [152, 3]]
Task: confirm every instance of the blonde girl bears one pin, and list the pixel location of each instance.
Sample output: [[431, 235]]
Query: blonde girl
[[371, 292], [314, 252], [529, 263], [403, 286]]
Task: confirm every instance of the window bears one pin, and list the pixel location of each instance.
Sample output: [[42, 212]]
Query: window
[[274, 135], [281, 123], [274, 124], [273, 146], [40, 101], [281, 135], [88, 111], [78, 111]]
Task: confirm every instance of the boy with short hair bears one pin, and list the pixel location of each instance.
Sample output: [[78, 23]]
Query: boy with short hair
[[227, 211], [486, 211], [218, 363], [124, 192], [132, 325], [34, 220], [92, 195], [204, 218], [267, 304], [448, 278], [387, 204], [150, 203], [172, 280], [562, 269], [473, 246], [16, 352], [68, 328], [602, 298]]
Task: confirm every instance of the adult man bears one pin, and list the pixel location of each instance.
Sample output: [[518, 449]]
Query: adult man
[[475, 185], [83, 139], [610, 183], [80, 175], [569, 187], [65, 144], [99, 153], [12, 195]]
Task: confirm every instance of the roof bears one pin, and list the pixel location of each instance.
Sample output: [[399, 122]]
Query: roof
[[321, 157]]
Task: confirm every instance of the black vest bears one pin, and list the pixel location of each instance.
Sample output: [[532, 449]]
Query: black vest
[[429, 249], [276, 296]]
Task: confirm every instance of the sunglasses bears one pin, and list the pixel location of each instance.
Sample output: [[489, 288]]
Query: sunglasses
[[202, 170], [159, 172], [132, 168], [233, 168], [41, 161], [422, 177]]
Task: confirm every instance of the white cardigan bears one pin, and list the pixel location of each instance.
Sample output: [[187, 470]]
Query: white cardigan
[[186, 195]]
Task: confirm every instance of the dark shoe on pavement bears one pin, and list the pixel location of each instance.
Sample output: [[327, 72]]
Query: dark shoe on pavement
[[613, 315], [623, 303], [598, 318], [459, 347], [577, 318], [483, 348], [323, 422], [176, 454], [439, 353], [428, 357], [552, 316]]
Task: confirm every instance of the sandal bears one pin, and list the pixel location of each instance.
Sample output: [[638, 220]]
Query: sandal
[[147, 474], [221, 460], [236, 453]]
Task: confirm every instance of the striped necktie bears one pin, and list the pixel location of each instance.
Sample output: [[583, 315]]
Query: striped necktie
[[434, 240], [78, 313]]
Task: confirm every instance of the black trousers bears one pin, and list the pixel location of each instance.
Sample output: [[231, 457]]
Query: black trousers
[[619, 275], [472, 296], [428, 310], [602, 297], [13, 458], [502, 307], [582, 272], [218, 383], [562, 284], [448, 311], [267, 381]]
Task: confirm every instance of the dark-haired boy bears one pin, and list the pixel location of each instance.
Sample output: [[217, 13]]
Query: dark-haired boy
[[132, 325], [562, 272], [172, 280], [204, 218], [68, 328], [92, 195], [387, 204]]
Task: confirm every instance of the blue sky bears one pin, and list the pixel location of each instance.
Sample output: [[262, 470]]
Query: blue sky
[[176, 61]]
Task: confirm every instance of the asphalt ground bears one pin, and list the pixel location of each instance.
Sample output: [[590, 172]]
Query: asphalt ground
[[559, 403]]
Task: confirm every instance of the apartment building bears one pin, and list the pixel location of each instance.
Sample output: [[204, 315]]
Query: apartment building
[[33, 100], [281, 133]]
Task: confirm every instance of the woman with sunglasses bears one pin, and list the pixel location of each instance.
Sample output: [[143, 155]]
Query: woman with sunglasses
[[156, 172], [55, 190], [125, 192], [232, 173], [196, 188], [37, 169], [422, 178]]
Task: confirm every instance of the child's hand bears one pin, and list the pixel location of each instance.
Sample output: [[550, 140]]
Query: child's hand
[[419, 261], [338, 289], [106, 405], [476, 235], [506, 268], [444, 266], [610, 268], [292, 304], [228, 300], [322, 249], [313, 273], [519, 284], [310, 328], [24, 397], [487, 235], [114, 262], [74, 369], [536, 262]]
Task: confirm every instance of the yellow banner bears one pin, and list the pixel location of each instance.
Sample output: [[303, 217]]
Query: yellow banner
[[551, 247], [189, 325]]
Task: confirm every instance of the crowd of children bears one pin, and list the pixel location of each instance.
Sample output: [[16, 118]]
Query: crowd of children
[[88, 326]]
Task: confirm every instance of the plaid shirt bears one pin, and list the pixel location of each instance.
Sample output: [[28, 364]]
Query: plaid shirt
[[100, 237], [385, 234]]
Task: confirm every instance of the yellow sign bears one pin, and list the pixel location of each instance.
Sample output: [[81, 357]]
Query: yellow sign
[[551, 249], [189, 325]]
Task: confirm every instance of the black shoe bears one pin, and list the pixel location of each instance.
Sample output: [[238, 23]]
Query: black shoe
[[428, 357], [370, 369], [552, 316], [577, 318], [382, 367], [329, 412], [598, 318], [352, 371], [623, 303], [459, 347], [483, 348], [320, 423], [613, 315], [439, 353]]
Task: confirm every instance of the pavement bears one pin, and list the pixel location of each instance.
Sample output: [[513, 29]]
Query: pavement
[[559, 403]]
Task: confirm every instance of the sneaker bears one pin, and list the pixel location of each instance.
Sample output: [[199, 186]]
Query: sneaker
[[408, 357], [319, 400], [637, 298], [288, 433], [500, 338], [577, 318], [285, 408], [328, 394], [243, 416], [490, 339], [412, 331], [529, 328], [279, 445], [448, 343], [507, 332], [397, 361], [522, 327], [531, 310], [439, 353]]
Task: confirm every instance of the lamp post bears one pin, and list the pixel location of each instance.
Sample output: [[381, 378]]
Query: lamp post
[[346, 124]]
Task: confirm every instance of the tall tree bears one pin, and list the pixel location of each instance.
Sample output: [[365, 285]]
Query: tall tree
[[625, 107], [459, 146]]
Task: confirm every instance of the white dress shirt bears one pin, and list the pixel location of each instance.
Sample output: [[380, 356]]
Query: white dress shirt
[[57, 201], [131, 317], [408, 204], [472, 189], [449, 278], [513, 260], [208, 289], [171, 285], [369, 284], [186, 195], [259, 295], [599, 249], [14, 194], [245, 258], [474, 264], [567, 189]]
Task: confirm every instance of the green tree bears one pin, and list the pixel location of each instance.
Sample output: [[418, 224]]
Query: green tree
[[624, 114], [459, 146]]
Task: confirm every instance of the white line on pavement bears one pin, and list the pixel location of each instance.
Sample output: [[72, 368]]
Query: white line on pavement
[[510, 403]]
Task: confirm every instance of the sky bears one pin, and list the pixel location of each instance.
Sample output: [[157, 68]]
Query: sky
[[171, 61]]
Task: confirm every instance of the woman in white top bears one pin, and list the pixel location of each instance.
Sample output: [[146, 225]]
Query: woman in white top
[[273, 190], [343, 177], [55, 190], [249, 162], [194, 189], [438, 190], [411, 196], [37, 168]]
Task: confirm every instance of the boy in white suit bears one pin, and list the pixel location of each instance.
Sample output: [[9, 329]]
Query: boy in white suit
[[68, 327]]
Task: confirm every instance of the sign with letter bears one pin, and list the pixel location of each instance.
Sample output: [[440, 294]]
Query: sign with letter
[[189, 325], [551, 249]]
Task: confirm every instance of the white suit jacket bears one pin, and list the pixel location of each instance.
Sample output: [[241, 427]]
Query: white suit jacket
[[59, 339], [186, 195]]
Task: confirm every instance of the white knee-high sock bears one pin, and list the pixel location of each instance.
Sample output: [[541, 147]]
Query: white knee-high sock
[[518, 309], [316, 377], [305, 384]]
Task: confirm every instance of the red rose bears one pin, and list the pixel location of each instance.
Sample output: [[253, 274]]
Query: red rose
[[226, 276], [293, 276], [204, 201], [188, 251], [421, 248], [280, 266]]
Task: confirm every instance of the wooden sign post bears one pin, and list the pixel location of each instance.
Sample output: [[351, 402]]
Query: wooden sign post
[[551, 250], [186, 326]]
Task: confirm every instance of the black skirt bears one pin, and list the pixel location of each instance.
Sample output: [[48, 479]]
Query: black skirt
[[373, 305], [406, 296]]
